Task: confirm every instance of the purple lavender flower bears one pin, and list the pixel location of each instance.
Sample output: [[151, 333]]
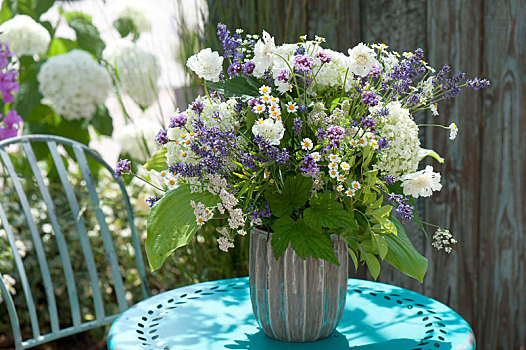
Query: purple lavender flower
[[405, 210], [383, 143], [283, 76], [368, 123], [309, 165], [300, 50], [162, 137], [375, 72], [256, 213], [302, 108], [297, 126], [477, 83], [324, 57], [335, 134], [235, 69], [248, 67], [370, 98], [152, 200], [229, 43], [197, 107], [304, 63], [412, 100], [178, 121], [321, 134], [12, 121], [5, 53], [283, 157], [186, 170], [389, 179], [123, 167]]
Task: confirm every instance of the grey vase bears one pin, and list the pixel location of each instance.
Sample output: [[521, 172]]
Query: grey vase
[[293, 299]]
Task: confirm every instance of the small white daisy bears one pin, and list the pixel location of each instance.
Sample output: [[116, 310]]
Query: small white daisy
[[341, 178], [349, 192], [258, 108], [265, 98], [362, 142], [356, 185], [334, 173], [307, 144], [334, 158], [265, 90], [339, 188], [345, 166], [315, 156], [292, 107], [453, 131], [333, 166], [354, 143]]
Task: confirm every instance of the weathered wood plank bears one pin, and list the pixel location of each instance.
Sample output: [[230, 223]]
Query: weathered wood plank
[[454, 34], [502, 318]]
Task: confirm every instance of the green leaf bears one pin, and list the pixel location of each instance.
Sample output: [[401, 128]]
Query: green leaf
[[423, 152], [158, 161], [60, 45], [353, 257], [88, 37], [403, 255], [5, 12], [28, 95], [41, 6], [303, 239], [372, 264], [296, 190], [102, 120], [126, 26], [277, 205], [326, 211], [76, 14], [171, 223], [237, 87], [382, 246]]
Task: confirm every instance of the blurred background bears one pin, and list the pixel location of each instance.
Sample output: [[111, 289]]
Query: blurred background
[[484, 201]]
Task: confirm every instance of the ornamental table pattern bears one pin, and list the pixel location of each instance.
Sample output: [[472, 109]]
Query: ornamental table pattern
[[218, 315]]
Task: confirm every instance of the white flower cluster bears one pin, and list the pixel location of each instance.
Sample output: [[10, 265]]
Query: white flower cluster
[[421, 183], [138, 70], [443, 239], [270, 129], [400, 129], [73, 84], [9, 282], [206, 64], [137, 12], [362, 59], [134, 135], [25, 36]]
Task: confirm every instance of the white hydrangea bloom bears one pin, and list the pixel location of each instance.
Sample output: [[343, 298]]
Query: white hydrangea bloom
[[216, 113], [73, 84], [137, 12], [389, 61], [421, 183], [207, 64], [131, 137], [443, 239], [138, 70], [361, 59], [263, 54], [399, 128], [270, 129], [25, 36], [9, 282]]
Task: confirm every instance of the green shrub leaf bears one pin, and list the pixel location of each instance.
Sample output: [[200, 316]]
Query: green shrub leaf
[[88, 37], [325, 211], [158, 161], [102, 120], [236, 87], [403, 255], [171, 223]]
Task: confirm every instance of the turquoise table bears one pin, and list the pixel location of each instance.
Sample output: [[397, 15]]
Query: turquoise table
[[218, 315]]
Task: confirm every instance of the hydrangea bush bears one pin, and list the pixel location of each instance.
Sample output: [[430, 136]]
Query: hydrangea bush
[[303, 142]]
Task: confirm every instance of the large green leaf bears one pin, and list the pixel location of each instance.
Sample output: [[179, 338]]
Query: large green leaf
[[372, 264], [326, 211], [5, 12], [158, 161], [61, 45], [172, 224], [102, 120], [304, 240], [236, 87], [88, 37], [297, 190], [403, 255], [126, 26]]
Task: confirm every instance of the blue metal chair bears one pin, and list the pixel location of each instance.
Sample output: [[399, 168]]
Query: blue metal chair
[[56, 148]]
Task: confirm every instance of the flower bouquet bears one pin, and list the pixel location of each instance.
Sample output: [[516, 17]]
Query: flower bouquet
[[313, 149]]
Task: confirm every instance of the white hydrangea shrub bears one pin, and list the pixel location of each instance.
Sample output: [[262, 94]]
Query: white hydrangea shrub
[[73, 84], [138, 70], [25, 36], [399, 128], [137, 12], [130, 137]]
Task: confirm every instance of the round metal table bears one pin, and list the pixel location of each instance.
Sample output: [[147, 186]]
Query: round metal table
[[218, 315]]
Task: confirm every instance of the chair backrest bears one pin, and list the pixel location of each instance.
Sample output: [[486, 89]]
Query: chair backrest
[[56, 151]]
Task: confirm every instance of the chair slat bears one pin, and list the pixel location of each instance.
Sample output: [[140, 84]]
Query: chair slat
[[81, 228], [106, 236], [15, 325], [11, 310], [59, 236], [37, 242]]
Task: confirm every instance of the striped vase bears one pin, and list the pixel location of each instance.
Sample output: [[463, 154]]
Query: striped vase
[[293, 299]]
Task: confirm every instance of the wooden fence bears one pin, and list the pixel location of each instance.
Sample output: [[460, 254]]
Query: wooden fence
[[483, 201]]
